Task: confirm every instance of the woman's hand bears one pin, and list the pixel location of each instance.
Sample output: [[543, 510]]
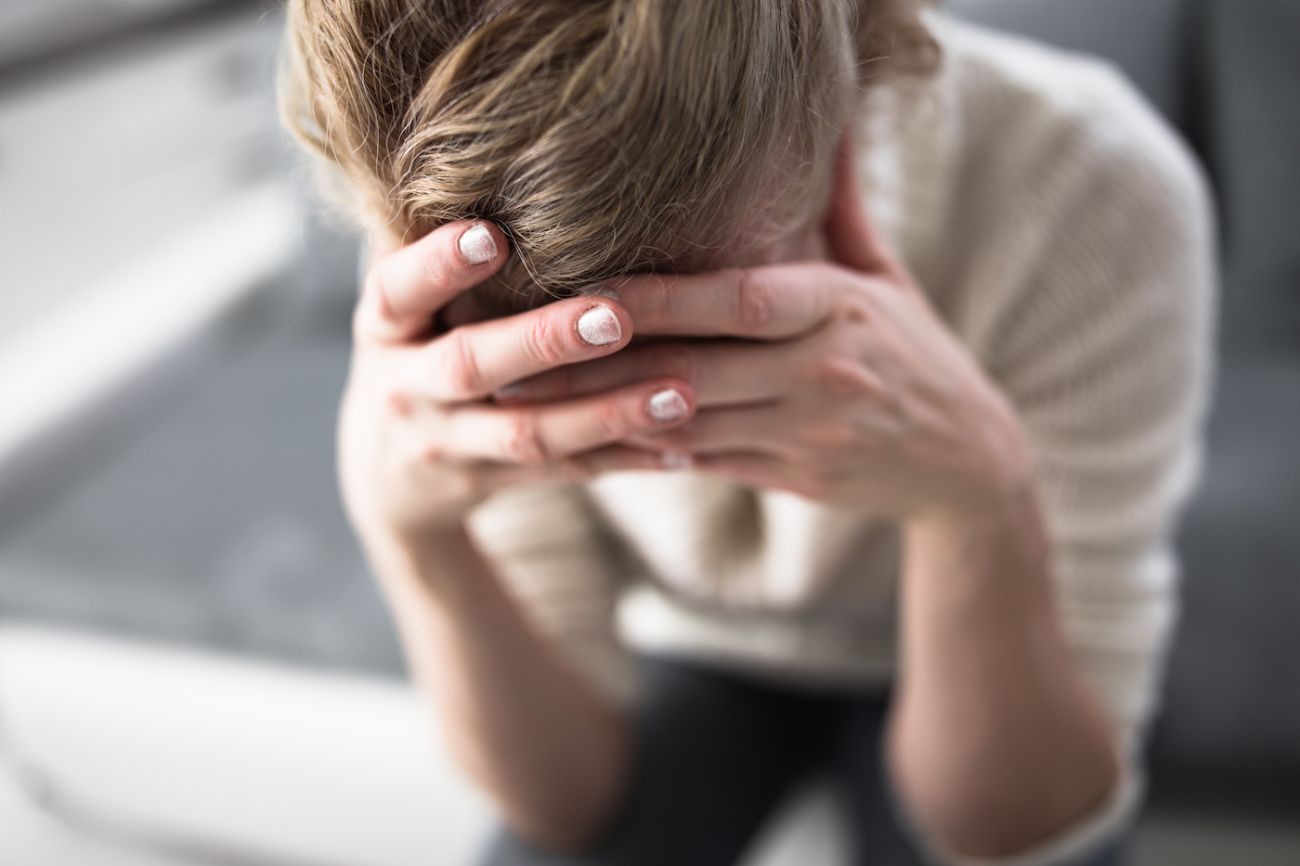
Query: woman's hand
[[845, 386], [418, 443]]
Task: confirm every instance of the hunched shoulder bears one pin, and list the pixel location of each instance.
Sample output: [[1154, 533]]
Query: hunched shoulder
[[1047, 124]]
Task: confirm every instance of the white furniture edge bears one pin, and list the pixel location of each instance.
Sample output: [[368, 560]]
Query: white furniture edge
[[246, 761]]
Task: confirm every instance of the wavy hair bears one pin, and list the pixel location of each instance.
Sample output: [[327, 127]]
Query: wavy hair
[[604, 136]]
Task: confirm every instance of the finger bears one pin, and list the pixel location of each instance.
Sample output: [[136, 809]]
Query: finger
[[769, 302], [472, 361], [851, 236], [536, 435], [722, 373], [406, 287], [714, 431]]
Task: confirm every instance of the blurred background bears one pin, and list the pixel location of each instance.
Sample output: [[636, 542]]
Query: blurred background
[[194, 665]]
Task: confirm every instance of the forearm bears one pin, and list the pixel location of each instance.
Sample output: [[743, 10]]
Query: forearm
[[997, 742], [543, 744]]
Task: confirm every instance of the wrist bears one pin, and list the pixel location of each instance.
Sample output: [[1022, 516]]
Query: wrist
[[998, 486], [985, 512], [424, 558], [993, 544]]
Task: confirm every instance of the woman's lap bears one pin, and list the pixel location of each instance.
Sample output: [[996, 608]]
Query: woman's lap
[[718, 753]]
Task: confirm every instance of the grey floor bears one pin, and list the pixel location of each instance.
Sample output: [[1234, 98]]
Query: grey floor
[[209, 513]]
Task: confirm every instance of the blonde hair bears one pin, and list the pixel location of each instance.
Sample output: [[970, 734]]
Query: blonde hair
[[604, 136]]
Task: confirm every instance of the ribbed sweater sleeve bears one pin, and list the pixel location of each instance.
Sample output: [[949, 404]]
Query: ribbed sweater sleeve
[[1103, 342]]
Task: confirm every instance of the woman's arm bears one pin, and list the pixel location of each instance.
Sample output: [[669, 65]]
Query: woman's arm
[[1035, 626], [548, 749], [996, 742]]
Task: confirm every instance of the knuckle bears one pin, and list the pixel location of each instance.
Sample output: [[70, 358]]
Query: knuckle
[[545, 340], [460, 367], [857, 310], [446, 268], [398, 404], [611, 421], [440, 265], [817, 374], [840, 377], [821, 370], [523, 442], [432, 453], [754, 305]]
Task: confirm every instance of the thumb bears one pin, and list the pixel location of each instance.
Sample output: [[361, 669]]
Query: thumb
[[850, 235]]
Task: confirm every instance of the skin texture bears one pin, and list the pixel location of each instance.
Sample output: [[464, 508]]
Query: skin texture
[[829, 376], [419, 446]]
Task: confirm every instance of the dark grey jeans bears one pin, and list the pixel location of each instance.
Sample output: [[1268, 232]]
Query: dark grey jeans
[[719, 751]]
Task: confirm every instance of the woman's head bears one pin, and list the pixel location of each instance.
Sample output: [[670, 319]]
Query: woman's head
[[604, 136]]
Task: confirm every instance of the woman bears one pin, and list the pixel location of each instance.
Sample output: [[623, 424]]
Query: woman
[[849, 444]]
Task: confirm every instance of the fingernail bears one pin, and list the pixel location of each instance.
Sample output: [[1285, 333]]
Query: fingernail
[[676, 460], [599, 326], [668, 405], [477, 245]]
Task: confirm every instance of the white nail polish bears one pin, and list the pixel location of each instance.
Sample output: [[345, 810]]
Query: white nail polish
[[676, 460], [599, 327], [477, 245], [668, 405]]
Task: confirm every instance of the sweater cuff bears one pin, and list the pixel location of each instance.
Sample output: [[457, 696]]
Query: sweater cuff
[[1073, 845]]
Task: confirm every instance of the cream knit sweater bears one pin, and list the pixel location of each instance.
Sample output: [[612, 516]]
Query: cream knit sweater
[[1065, 236]]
